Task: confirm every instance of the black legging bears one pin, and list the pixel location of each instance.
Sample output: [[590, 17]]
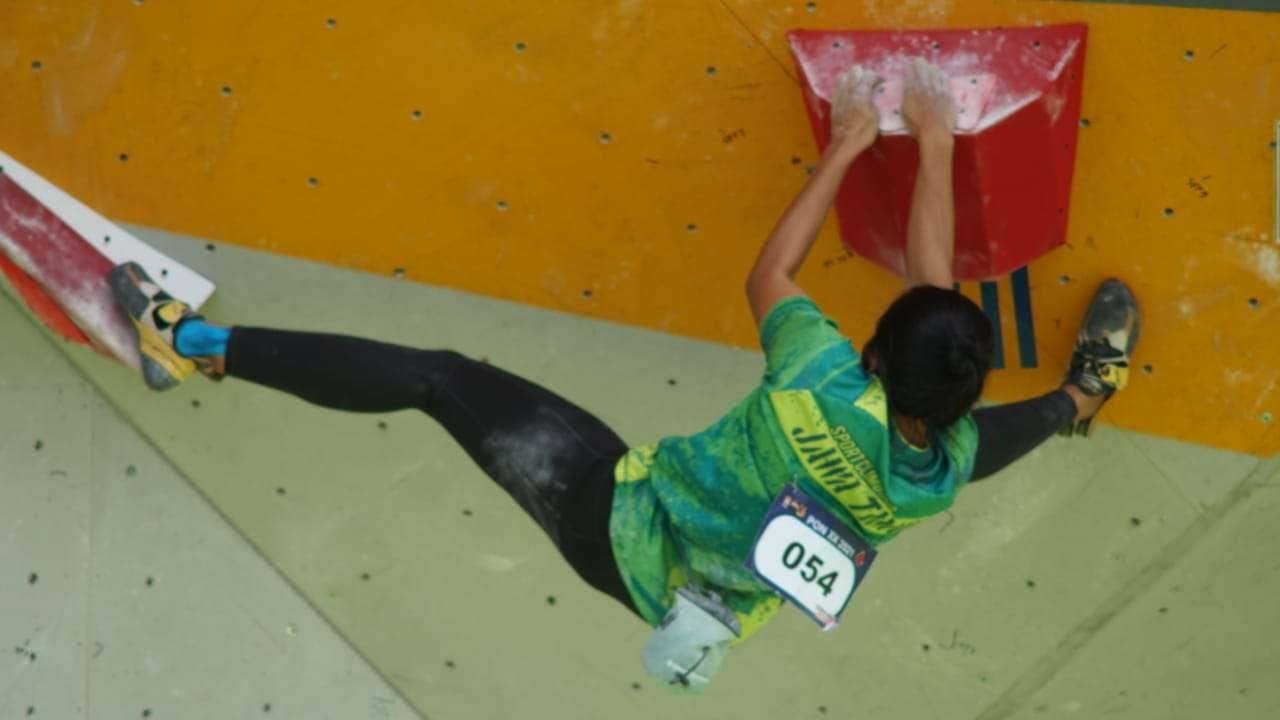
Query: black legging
[[555, 459], [1007, 432]]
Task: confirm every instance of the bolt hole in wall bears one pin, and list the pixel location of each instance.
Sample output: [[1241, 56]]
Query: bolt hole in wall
[[1253, 303], [605, 138], [1266, 418], [1147, 369], [521, 47], [1168, 212]]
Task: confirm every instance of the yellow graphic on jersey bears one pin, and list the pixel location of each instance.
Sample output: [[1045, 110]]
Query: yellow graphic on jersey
[[634, 466], [836, 463], [875, 402]]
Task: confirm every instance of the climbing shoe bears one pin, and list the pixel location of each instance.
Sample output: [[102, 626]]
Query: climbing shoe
[[155, 315], [1100, 363]]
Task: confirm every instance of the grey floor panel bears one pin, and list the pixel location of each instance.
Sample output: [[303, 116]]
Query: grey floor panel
[[457, 598], [124, 593], [435, 575], [45, 468], [1201, 643]]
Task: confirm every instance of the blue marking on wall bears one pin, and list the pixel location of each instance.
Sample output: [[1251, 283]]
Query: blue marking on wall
[[1022, 311], [991, 306]]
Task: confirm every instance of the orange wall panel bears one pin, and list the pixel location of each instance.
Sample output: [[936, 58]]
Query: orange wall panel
[[625, 160]]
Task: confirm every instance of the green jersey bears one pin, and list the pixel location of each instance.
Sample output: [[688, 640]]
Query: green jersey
[[688, 508]]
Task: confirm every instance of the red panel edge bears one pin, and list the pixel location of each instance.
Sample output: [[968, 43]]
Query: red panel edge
[[39, 302]]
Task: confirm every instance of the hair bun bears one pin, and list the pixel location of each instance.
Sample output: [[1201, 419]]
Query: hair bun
[[933, 348], [961, 361]]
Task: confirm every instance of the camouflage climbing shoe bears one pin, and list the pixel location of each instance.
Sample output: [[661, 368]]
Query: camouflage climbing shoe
[[155, 315], [1100, 363]]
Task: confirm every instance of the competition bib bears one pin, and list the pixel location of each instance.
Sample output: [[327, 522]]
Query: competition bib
[[809, 557]]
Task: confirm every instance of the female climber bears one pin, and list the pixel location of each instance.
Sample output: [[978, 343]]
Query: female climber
[[790, 494]]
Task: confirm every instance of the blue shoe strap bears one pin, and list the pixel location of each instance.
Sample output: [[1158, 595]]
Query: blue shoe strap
[[196, 338]]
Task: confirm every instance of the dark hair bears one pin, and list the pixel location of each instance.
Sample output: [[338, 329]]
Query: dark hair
[[932, 351]]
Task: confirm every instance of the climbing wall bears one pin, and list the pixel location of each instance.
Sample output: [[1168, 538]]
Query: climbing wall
[[625, 160]]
